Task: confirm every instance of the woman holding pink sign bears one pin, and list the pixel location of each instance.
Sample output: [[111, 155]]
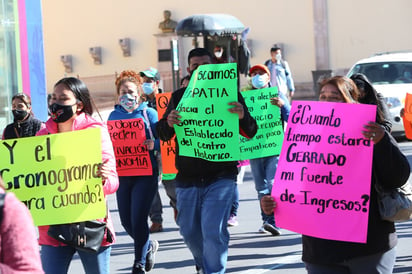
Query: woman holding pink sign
[[136, 193], [390, 169]]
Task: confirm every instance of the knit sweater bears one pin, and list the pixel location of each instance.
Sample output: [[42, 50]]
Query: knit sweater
[[19, 251]]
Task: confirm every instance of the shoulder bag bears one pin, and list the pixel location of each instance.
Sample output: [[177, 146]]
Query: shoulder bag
[[395, 205], [85, 236]]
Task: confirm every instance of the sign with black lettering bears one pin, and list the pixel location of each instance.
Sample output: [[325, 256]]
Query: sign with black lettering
[[207, 129], [56, 176], [322, 183], [269, 137], [132, 156]]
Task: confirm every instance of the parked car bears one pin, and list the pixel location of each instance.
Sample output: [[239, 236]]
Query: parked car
[[391, 75]]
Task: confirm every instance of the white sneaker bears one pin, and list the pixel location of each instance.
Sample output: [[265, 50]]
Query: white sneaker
[[262, 230]]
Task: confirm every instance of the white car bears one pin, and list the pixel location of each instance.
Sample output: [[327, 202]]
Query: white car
[[391, 75]]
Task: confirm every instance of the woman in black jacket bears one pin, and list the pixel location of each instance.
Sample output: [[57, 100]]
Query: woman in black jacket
[[390, 169], [24, 125]]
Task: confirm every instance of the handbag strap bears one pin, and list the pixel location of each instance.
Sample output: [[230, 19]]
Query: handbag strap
[[148, 121]]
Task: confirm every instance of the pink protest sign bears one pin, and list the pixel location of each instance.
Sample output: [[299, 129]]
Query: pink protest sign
[[322, 183], [132, 157]]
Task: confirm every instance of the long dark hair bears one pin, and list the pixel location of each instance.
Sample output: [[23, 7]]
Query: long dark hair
[[24, 98], [370, 96], [80, 91]]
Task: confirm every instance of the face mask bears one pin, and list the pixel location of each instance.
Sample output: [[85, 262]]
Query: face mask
[[148, 88], [218, 54], [278, 57], [128, 102], [260, 81], [19, 114], [61, 113]]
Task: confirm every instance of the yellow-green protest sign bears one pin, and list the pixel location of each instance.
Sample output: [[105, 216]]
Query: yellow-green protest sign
[[207, 129], [56, 175], [269, 137]]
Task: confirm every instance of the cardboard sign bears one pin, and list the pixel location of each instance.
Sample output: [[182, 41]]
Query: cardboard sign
[[56, 175], [322, 183], [207, 129], [167, 149], [269, 137], [407, 117], [132, 156]]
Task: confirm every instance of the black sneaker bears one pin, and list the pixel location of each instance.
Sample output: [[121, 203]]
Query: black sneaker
[[138, 269], [150, 256], [272, 229], [199, 270]]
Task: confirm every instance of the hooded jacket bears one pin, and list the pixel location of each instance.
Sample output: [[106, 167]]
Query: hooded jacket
[[111, 184]]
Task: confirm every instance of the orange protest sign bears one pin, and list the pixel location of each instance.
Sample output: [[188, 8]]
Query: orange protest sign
[[407, 116], [132, 157], [167, 149]]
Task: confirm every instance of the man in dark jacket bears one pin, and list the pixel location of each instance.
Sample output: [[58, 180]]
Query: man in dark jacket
[[204, 189]]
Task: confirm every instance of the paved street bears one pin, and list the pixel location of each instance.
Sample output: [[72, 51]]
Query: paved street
[[249, 253]]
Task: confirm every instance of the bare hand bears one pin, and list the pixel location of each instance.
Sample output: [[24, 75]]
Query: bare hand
[[238, 108], [267, 203], [402, 112], [276, 101], [104, 170], [373, 131], [149, 143], [173, 118]]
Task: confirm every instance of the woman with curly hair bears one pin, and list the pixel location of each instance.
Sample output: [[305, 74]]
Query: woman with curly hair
[[135, 193]]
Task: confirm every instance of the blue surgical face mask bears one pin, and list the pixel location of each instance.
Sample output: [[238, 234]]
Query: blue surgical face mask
[[148, 88], [260, 81], [128, 102]]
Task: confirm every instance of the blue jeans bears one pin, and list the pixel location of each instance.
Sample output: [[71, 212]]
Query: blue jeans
[[381, 263], [235, 204], [263, 172], [134, 199], [202, 218], [56, 259]]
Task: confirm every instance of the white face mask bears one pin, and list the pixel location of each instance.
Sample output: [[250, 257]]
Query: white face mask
[[218, 54], [278, 57]]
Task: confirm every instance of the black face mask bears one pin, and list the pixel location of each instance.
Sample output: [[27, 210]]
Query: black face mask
[[19, 115], [61, 113]]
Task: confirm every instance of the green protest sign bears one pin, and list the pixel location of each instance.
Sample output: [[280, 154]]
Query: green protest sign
[[269, 137], [56, 175], [207, 129]]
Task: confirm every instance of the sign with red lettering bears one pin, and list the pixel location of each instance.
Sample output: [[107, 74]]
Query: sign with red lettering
[[322, 183], [132, 156]]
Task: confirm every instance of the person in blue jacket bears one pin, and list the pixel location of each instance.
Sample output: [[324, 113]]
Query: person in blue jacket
[[264, 169], [135, 193]]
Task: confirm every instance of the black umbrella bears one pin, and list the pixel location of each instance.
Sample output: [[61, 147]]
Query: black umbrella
[[209, 24]]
